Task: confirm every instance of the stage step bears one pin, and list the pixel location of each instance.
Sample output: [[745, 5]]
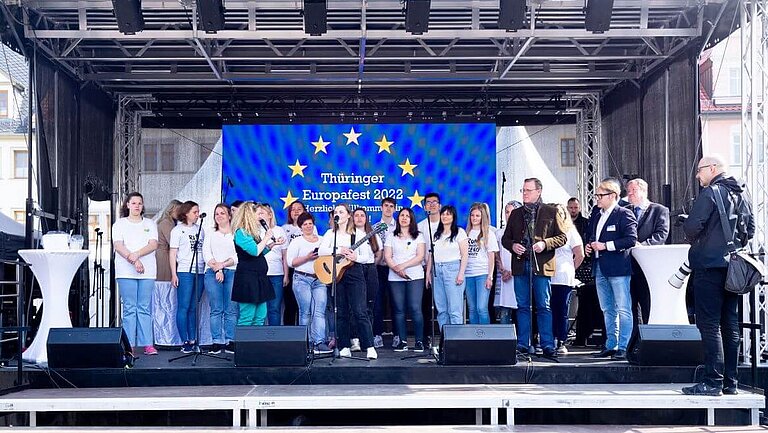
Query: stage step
[[441, 429], [257, 401]]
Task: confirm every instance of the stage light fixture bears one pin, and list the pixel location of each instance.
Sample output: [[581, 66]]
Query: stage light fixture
[[315, 17], [597, 15], [512, 14], [128, 16], [210, 15], [417, 16]]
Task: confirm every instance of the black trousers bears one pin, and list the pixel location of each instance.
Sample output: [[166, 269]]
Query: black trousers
[[352, 300], [717, 317], [641, 305]]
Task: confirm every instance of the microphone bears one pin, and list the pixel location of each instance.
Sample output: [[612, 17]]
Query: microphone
[[336, 219], [203, 215], [428, 213], [264, 224]]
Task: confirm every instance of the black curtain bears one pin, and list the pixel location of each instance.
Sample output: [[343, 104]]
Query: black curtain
[[75, 132], [633, 132]]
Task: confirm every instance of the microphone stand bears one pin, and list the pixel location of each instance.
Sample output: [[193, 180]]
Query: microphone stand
[[98, 279], [193, 266], [432, 349], [530, 217], [334, 279], [501, 216]]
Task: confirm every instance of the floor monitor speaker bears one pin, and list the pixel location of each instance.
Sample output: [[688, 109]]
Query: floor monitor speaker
[[478, 345], [669, 345], [88, 348], [271, 346]]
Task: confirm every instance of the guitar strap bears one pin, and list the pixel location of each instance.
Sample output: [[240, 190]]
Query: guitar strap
[[353, 239]]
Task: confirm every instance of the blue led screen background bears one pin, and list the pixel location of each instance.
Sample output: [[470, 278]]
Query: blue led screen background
[[323, 165]]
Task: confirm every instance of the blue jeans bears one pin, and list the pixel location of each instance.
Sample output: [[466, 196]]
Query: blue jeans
[[477, 299], [275, 306], [409, 292], [541, 295], [449, 297], [136, 296], [223, 310], [560, 302], [186, 312], [312, 297], [616, 303]]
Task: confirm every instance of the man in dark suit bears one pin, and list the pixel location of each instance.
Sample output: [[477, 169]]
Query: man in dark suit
[[533, 234], [612, 233], [652, 229], [579, 221]]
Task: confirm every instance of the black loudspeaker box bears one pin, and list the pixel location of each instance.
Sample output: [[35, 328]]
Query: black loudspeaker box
[[88, 348], [129, 17], [271, 346], [478, 345], [597, 15], [211, 13], [512, 14], [315, 17], [417, 16], [669, 345]]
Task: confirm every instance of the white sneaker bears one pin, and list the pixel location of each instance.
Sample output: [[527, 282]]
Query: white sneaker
[[395, 341], [345, 353], [355, 347], [371, 354], [378, 342]]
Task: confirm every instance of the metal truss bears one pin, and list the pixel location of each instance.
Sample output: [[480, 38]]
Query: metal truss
[[588, 154], [754, 137], [366, 47], [127, 146]]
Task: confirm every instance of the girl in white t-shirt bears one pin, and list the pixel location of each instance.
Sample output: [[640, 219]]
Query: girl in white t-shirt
[[567, 259], [220, 264], [292, 231], [450, 251], [277, 267], [403, 253], [482, 246], [135, 241], [185, 276]]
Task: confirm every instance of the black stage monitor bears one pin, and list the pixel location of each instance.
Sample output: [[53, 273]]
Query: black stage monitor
[[478, 345], [271, 346], [669, 345], [88, 348]]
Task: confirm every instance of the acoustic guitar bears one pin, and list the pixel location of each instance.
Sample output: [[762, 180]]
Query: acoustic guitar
[[324, 264]]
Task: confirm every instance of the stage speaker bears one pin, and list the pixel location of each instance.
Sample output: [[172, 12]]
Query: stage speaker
[[88, 348], [315, 17], [512, 14], [128, 15], [598, 15], [478, 345], [211, 15], [271, 346], [417, 16], [669, 345]]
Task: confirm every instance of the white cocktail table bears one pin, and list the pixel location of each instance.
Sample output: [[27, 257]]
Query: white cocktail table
[[659, 262]]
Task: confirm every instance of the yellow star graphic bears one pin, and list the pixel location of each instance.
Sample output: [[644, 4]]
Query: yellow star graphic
[[297, 169], [320, 145], [407, 167], [352, 136], [384, 144], [288, 200], [416, 199]]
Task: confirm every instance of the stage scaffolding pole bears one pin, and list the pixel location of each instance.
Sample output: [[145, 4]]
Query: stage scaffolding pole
[[754, 136], [589, 127]]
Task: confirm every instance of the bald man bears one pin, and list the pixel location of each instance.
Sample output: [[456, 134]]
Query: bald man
[[716, 309]]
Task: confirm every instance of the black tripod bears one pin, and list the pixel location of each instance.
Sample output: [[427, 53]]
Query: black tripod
[[98, 279], [529, 218], [432, 349], [193, 268], [334, 280]]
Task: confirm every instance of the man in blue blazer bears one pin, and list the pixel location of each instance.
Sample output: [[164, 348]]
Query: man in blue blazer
[[611, 234], [652, 229]]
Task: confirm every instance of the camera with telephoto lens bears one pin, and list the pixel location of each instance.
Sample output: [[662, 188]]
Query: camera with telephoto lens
[[677, 279]]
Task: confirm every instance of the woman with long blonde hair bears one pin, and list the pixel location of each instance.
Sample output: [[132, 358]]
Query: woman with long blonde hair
[[277, 266], [251, 288], [481, 250]]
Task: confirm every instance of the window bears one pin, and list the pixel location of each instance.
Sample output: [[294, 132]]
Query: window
[[3, 103], [19, 216], [736, 145], [568, 152], [20, 159], [734, 82], [159, 157]]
